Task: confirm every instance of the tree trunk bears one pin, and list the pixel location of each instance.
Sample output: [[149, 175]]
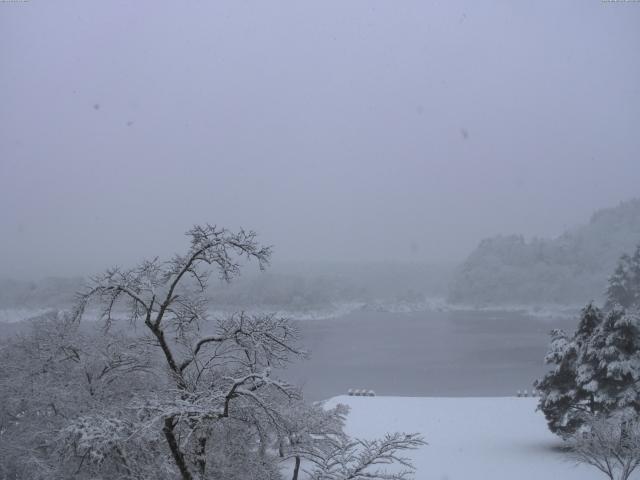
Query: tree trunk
[[175, 371], [262, 448], [296, 469], [178, 456], [201, 454]]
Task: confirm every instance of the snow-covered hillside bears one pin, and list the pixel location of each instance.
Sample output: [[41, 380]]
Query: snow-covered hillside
[[570, 269], [469, 438]]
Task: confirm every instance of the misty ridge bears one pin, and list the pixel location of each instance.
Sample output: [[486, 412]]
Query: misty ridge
[[503, 271], [568, 269]]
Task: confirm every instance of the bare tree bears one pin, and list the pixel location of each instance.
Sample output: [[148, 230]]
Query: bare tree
[[185, 398], [56, 384], [610, 445], [310, 433], [213, 374]]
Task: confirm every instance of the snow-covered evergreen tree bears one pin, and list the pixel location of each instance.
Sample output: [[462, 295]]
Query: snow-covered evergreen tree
[[597, 370], [562, 399], [624, 284], [615, 350]]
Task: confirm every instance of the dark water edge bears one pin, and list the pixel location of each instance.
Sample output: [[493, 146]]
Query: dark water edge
[[424, 354]]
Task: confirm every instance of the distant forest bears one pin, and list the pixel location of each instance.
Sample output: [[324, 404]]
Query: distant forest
[[570, 269], [294, 287]]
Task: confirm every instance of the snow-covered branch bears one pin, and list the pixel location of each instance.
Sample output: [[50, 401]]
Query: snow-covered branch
[[609, 444], [349, 459]]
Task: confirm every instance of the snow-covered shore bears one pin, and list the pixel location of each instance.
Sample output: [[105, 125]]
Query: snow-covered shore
[[536, 311], [434, 304], [337, 310], [501, 438]]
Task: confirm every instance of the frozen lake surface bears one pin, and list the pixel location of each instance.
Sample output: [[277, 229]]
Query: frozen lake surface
[[424, 354]]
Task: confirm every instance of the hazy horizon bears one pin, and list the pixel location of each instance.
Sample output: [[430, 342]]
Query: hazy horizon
[[364, 131]]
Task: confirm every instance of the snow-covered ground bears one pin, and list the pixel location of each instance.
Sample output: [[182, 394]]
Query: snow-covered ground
[[469, 438]]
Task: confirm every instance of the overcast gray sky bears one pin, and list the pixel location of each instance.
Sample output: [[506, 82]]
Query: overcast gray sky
[[339, 130]]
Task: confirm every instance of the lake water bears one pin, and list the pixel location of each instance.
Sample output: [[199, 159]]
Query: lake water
[[424, 354], [418, 354]]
